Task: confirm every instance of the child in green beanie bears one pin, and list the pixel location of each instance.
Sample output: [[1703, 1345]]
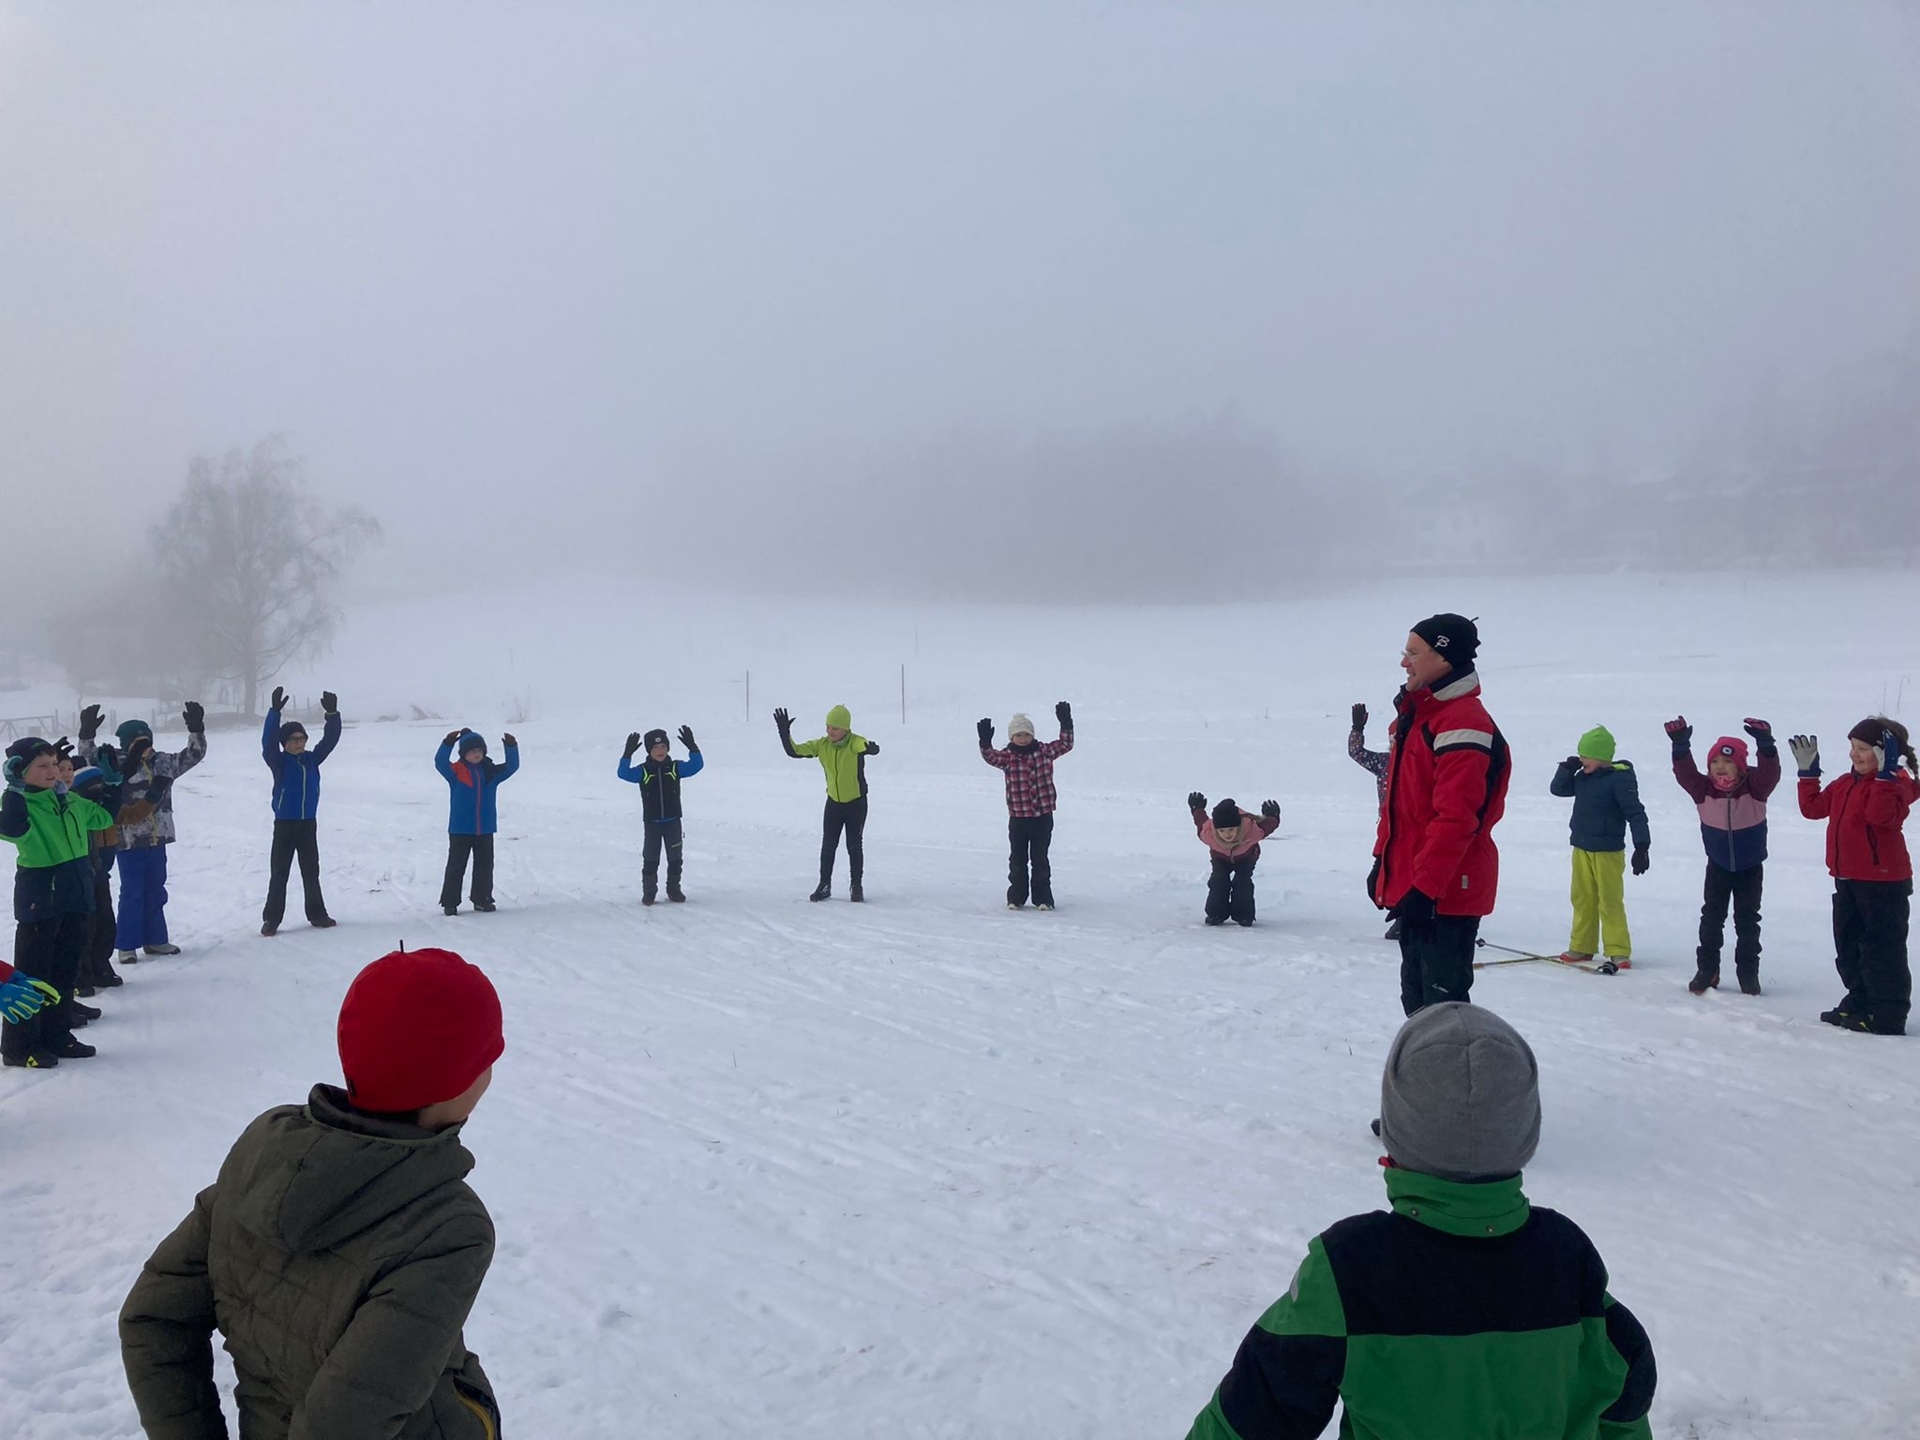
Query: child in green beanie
[[843, 756], [1606, 804]]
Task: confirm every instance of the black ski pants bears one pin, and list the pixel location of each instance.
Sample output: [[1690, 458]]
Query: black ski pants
[[849, 816], [1741, 889], [1436, 963], [1230, 890], [96, 955], [49, 950], [459, 848], [1028, 840], [1870, 947], [670, 836], [293, 838]]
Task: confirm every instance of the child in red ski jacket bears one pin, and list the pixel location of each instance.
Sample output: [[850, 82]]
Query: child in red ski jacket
[[1872, 876], [1234, 837], [1732, 799]]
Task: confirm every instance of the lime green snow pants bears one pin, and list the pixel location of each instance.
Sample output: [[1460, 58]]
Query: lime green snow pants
[[1600, 904]]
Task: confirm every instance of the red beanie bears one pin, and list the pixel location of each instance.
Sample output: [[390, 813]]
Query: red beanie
[[417, 1027], [1731, 746]]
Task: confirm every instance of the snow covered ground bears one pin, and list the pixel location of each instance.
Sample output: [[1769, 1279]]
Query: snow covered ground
[[927, 1168]]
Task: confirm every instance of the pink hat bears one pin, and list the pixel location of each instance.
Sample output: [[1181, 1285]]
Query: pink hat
[[1735, 750]]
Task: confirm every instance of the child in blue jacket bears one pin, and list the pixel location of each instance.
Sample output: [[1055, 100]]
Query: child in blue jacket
[[296, 808], [472, 819], [1606, 805]]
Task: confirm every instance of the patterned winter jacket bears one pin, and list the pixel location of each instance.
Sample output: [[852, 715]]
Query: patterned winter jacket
[[1029, 772], [1374, 762], [146, 791], [1733, 823], [1245, 849]]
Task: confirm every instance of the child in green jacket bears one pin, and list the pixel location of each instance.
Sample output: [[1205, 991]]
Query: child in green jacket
[[1462, 1311], [843, 756], [53, 897]]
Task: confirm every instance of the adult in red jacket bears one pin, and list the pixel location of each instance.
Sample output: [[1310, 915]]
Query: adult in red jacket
[[1435, 865], [1872, 874]]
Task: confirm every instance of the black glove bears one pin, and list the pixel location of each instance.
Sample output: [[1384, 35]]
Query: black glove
[[280, 700], [1063, 712], [195, 714], [329, 703], [1640, 860], [686, 738], [1271, 810], [1572, 762], [783, 720], [137, 749], [1762, 734], [1417, 913], [1679, 732], [985, 730], [1359, 718], [633, 744], [453, 737], [873, 747], [507, 741], [63, 747], [89, 722], [1196, 801]]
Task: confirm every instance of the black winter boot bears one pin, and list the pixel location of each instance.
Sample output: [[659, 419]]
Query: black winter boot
[[1704, 980], [87, 1012], [823, 891], [1749, 982], [34, 1060], [72, 1049], [855, 893], [675, 894]]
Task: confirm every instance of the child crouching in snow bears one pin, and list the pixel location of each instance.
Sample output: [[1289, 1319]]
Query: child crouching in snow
[[1733, 824], [1234, 837], [1872, 874], [1464, 1311], [341, 1249]]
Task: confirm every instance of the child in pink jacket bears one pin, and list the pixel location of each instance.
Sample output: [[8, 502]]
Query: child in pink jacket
[[1234, 837]]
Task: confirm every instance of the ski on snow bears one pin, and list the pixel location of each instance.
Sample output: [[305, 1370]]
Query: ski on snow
[[1522, 957]]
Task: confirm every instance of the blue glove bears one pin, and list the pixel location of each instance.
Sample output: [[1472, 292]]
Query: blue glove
[[1889, 748], [23, 997]]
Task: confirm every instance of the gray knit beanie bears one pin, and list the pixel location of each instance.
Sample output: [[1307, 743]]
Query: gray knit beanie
[[1460, 1098]]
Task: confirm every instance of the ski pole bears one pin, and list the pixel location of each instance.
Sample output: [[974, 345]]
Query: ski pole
[[1486, 944]]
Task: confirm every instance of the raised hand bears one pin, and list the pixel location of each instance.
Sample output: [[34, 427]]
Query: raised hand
[[1889, 748], [1758, 729], [63, 747], [1359, 718], [1271, 810], [195, 714], [507, 740], [452, 738], [89, 722], [1063, 712], [1806, 753], [686, 739], [1196, 801], [279, 698], [985, 731], [783, 720], [329, 702], [633, 743], [1679, 732]]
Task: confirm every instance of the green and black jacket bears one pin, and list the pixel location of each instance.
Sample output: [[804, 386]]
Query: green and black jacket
[[1463, 1313]]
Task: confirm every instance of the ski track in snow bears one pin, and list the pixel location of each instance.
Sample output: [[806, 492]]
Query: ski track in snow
[[927, 1168]]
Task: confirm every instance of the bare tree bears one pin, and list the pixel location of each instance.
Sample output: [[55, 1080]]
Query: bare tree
[[250, 560]]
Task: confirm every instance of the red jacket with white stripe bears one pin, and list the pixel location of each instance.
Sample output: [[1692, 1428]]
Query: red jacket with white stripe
[[1447, 778]]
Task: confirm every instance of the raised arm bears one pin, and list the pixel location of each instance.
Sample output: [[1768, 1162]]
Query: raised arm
[[1563, 777], [180, 761], [270, 750], [443, 757], [166, 1336], [329, 736], [512, 766], [783, 722]]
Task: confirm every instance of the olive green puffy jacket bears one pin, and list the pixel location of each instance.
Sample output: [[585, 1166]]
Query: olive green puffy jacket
[[339, 1255]]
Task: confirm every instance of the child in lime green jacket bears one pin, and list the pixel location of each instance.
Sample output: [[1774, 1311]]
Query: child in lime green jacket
[[843, 756]]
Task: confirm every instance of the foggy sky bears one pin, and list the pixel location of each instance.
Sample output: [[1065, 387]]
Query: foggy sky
[[515, 276]]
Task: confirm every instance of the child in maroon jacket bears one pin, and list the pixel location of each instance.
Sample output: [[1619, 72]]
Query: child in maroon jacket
[[1732, 800], [1872, 876], [1234, 837], [1031, 798]]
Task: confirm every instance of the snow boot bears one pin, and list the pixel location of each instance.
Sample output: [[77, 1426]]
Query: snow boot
[[450, 909], [269, 930], [1221, 921], [648, 898], [87, 1012], [1015, 905], [1043, 907], [1574, 957], [1620, 962], [1243, 924], [34, 1060], [72, 1049], [486, 909], [1749, 982], [85, 991], [127, 957], [1870, 1024], [824, 891], [108, 978], [1704, 980], [325, 922], [163, 949], [676, 895], [855, 893]]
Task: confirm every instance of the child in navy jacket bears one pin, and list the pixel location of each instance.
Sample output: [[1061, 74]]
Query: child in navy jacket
[[659, 777], [296, 808]]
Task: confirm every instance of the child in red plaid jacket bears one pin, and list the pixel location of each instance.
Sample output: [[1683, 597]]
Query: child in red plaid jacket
[[1030, 802]]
